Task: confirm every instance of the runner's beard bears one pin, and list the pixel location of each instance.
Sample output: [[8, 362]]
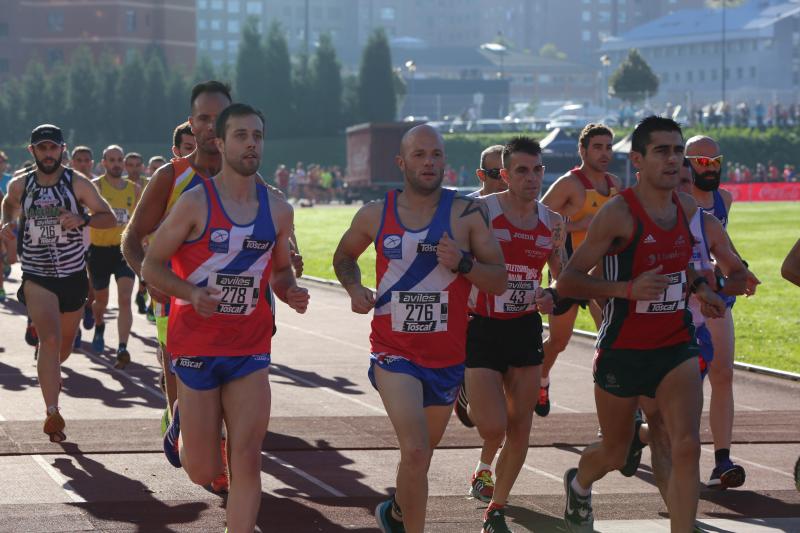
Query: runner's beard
[[47, 169], [706, 181]]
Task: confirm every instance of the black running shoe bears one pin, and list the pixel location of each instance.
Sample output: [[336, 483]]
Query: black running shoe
[[123, 358], [578, 512], [31, 337], [461, 407], [496, 522], [635, 449], [140, 304], [726, 475], [542, 407]]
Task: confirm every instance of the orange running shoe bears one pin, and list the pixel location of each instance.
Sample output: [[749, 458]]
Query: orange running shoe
[[221, 484]]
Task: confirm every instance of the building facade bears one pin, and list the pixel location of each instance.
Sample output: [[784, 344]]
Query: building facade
[[51, 30]]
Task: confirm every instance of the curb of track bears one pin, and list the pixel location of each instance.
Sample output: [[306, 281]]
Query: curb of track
[[757, 369]]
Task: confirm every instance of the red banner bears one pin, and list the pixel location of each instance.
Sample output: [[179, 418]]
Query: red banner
[[764, 192]]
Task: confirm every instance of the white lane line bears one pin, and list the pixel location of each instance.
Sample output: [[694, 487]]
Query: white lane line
[[751, 463], [318, 386], [305, 475], [548, 475], [2, 418], [559, 406], [361, 347], [56, 476]]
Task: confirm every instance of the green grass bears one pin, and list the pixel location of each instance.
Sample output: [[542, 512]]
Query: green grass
[[767, 325]]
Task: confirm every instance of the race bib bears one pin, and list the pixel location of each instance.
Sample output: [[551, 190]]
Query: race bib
[[419, 311], [673, 298], [45, 231], [518, 297], [121, 215], [239, 292]]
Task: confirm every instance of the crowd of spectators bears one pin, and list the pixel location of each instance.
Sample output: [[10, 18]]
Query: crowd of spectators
[[762, 173]]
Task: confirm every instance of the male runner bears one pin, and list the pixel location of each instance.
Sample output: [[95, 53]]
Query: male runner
[[5, 262], [646, 343], [431, 245], [706, 163], [51, 202], [489, 172], [82, 160], [134, 170], [183, 141], [577, 195], [504, 335], [225, 240], [105, 256], [154, 164]]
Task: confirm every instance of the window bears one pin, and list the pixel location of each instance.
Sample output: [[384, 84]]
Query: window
[[217, 44], [713, 74], [216, 5], [55, 55], [55, 21], [586, 35], [701, 74], [202, 44], [604, 17], [3, 29], [739, 73], [753, 73], [586, 16], [689, 76], [233, 6], [216, 24], [677, 77], [387, 13], [233, 26], [202, 24], [202, 4], [665, 77], [254, 8], [130, 21]]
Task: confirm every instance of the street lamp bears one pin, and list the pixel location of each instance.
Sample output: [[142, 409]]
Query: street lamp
[[605, 60], [412, 69], [498, 49]]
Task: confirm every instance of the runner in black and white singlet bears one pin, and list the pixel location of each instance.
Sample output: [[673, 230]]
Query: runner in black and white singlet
[[51, 203]]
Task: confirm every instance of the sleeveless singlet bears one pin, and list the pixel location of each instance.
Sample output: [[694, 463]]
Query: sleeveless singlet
[[701, 260], [525, 252], [421, 306], [46, 248], [122, 202], [591, 205], [237, 260], [718, 209], [648, 325]]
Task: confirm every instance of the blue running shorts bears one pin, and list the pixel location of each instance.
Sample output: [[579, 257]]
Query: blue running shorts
[[206, 373], [706, 348], [439, 385]]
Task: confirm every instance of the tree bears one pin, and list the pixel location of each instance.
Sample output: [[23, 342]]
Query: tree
[[203, 70], [55, 102], [107, 108], [634, 80], [550, 50], [350, 108], [82, 95], [131, 102], [156, 111], [277, 68], [34, 86], [305, 110], [376, 93], [250, 79], [177, 104], [326, 80]]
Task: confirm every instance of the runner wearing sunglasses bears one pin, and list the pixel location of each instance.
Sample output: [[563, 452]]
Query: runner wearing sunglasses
[[489, 172], [577, 195], [705, 160]]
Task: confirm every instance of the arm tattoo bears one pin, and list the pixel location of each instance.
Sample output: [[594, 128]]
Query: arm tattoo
[[347, 271], [476, 206]]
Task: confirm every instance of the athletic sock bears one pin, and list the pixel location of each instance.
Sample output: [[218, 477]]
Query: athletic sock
[[580, 491], [395, 511], [492, 507], [122, 346], [100, 328], [52, 409], [723, 455], [544, 382], [482, 466]]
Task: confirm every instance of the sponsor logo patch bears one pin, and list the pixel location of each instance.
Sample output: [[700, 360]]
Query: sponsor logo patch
[[392, 246], [186, 362], [218, 240], [254, 244], [426, 247]]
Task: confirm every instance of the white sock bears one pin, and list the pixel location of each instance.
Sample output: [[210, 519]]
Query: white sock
[[580, 491], [544, 382], [482, 466]]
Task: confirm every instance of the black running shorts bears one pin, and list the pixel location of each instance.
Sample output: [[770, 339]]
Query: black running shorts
[[103, 262], [498, 344], [71, 290]]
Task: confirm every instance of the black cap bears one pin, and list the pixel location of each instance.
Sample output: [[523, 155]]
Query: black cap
[[46, 132]]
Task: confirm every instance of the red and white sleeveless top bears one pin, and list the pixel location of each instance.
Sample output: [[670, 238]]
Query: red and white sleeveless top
[[237, 260], [666, 321], [525, 252], [421, 306]]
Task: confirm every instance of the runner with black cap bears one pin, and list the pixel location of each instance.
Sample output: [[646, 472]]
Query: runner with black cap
[[51, 203]]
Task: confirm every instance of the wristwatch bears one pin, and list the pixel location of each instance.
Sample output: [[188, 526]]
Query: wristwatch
[[464, 265], [720, 283], [86, 219], [699, 280]]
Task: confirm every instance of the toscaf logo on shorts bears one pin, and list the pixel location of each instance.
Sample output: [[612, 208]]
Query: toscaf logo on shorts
[[186, 362], [218, 240], [392, 246]]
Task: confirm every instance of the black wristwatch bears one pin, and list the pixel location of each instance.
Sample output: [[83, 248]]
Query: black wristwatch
[[464, 265], [720, 283], [86, 219], [699, 280], [553, 293]]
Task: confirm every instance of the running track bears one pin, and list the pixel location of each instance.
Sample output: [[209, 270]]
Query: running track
[[330, 454]]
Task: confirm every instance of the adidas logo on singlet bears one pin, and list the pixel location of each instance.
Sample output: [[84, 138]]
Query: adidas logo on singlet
[[649, 239]]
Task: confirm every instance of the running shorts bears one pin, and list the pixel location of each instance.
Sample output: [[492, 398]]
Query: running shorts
[[439, 385], [104, 261], [497, 344], [206, 373], [71, 290]]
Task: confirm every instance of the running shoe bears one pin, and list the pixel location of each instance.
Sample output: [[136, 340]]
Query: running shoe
[[542, 407], [726, 475], [98, 344], [386, 522], [150, 314], [77, 344], [6, 269], [495, 522], [31, 337], [797, 474], [171, 439], [2, 295], [578, 512], [635, 449], [123, 358], [482, 486], [221, 484], [461, 407], [54, 427], [164, 421], [140, 304], [88, 317]]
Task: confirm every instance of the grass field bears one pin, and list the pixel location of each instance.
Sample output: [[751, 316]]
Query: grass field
[[767, 325]]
